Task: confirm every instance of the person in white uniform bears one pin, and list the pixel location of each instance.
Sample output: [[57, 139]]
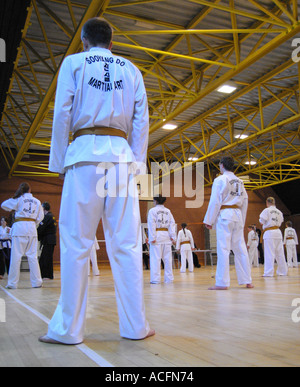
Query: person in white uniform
[[101, 99], [252, 245], [93, 258], [227, 210], [5, 247], [290, 241], [271, 219], [161, 234], [28, 215], [185, 244]]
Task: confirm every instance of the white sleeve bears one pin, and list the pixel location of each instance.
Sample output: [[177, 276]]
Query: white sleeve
[[178, 240], [172, 227], [138, 137], [214, 205], [244, 205], [263, 217], [10, 204], [192, 240], [296, 237], [62, 117], [151, 227], [40, 215], [249, 236]]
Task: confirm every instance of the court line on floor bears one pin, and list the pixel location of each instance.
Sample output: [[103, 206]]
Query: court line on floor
[[99, 360]]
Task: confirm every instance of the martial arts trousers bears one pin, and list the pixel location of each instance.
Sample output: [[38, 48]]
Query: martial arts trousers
[[160, 252], [186, 255], [291, 255], [83, 204], [24, 246], [230, 236], [274, 250]]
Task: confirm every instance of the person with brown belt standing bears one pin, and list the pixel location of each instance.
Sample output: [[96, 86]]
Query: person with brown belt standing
[[227, 210], [290, 241], [271, 219], [28, 215], [101, 99], [161, 231]]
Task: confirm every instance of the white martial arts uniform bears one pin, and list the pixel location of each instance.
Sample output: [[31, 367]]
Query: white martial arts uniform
[[5, 234], [24, 238], [160, 217], [290, 241], [93, 258], [96, 88], [229, 190], [273, 244], [252, 244], [185, 243]]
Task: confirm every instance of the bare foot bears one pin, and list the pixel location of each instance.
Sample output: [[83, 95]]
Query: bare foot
[[218, 288], [48, 340], [249, 286], [150, 333]]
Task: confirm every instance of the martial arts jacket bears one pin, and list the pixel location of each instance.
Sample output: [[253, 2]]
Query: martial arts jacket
[[5, 235], [26, 206], [161, 217], [227, 190], [185, 236], [97, 88], [271, 217], [290, 236], [252, 238]]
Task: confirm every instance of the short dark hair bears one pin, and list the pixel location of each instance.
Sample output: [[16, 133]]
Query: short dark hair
[[160, 199], [98, 32], [228, 163], [46, 206]]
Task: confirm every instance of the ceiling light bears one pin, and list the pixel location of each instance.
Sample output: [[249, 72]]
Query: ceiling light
[[169, 126], [227, 88], [251, 162], [192, 158], [241, 136], [245, 179]]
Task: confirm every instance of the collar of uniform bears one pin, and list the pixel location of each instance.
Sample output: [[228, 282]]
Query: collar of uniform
[[27, 194], [99, 49]]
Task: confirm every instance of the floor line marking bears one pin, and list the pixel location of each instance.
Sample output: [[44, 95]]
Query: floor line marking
[[94, 356]]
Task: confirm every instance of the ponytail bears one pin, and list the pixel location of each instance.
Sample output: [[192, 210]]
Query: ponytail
[[23, 188], [183, 225]]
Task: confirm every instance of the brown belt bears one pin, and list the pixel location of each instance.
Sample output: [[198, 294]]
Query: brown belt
[[290, 238], [271, 228], [232, 206], [24, 220], [162, 229], [100, 131], [185, 243]]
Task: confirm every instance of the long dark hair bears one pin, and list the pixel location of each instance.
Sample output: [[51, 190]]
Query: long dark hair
[[23, 188], [183, 225]]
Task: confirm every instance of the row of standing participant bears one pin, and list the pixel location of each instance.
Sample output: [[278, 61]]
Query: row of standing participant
[[290, 241], [226, 211]]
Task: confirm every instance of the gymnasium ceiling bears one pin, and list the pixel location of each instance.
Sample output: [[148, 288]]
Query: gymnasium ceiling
[[186, 50]]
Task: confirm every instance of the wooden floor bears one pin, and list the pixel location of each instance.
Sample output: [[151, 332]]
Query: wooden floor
[[195, 327]]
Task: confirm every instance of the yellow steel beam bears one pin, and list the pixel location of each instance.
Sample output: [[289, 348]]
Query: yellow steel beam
[[231, 74]]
